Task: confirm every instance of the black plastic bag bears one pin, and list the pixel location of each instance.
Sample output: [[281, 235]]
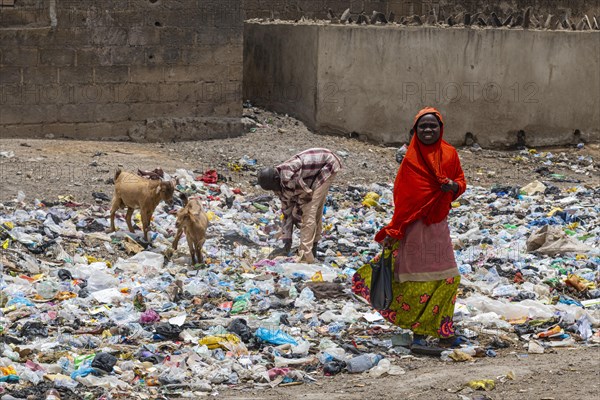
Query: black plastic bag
[[31, 330], [104, 361], [333, 367], [381, 283], [239, 326], [168, 331], [283, 319], [64, 275]]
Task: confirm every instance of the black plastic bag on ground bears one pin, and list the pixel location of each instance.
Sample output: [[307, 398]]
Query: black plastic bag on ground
[[333, 367], [381, 283], [104, 361], [239, 326], [168, 331], [64, 275], [34, 329]]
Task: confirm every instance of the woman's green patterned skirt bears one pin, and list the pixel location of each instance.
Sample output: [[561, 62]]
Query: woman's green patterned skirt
[[426, 308]]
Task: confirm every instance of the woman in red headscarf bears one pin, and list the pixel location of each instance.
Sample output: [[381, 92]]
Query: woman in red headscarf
[[417, 238]]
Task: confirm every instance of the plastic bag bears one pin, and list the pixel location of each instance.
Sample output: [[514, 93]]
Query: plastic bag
[[218, 341], [333, 368], [100, 280], [274, 336], [145, 263], [104, 361], [381, 284], [302, 348], [239, 326], [168, 330], [533, 188], [31, 330], [306, 298], [371, 200], [483, 384], [149, 317]]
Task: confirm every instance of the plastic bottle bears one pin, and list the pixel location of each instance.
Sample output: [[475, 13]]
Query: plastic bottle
[[226, 191], [52, 394], [465, 269], [363, 363], [293, 292], [66, 383], [381, 368], [335, 327], [28, 375], [445, 356], [64, 365], [505, 291]]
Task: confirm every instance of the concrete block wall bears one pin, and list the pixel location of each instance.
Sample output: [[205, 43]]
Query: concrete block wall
[[120, 68], [370, 81], [281, 69]]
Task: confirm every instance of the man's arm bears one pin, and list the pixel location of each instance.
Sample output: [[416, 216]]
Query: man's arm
[[287, 228]]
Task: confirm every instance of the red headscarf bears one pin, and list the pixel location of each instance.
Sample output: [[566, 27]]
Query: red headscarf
[[417, 189]]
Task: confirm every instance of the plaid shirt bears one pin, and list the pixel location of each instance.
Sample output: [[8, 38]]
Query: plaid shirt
[[300, 176]]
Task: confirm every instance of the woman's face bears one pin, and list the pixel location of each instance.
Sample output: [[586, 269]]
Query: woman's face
[[428, 129]]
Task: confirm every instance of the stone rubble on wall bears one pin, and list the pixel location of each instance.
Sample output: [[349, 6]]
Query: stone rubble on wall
[[524, 19]]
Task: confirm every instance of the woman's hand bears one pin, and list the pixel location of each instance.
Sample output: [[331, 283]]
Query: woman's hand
[[450, 186]]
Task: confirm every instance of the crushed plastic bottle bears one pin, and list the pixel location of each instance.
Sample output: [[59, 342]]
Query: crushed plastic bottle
[[52, 394], [362, 363]]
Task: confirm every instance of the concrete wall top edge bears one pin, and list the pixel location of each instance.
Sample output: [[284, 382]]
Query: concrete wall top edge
[[326, 25]]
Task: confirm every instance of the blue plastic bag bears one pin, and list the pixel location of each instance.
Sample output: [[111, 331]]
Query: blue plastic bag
[[83, 372], [274, 337]]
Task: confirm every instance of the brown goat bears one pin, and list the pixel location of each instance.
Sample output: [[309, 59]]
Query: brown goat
[[192, 220], [134, 192]]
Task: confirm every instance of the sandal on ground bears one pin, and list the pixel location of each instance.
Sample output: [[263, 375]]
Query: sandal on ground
[[427, 350], [421, 346], [451, 342]]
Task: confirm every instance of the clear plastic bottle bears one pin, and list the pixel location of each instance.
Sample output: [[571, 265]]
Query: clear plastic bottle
[[293, 292], [383, 367], [363, 363], [445, 356], [52, 394], [66, 383]]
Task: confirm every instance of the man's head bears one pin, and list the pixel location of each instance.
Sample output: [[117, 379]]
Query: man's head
[[268, 179]]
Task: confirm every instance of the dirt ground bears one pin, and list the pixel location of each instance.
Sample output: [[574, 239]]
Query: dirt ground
[[46, 169], [565, 374]]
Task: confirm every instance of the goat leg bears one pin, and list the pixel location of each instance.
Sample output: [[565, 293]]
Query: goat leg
[[200, 256], [113, 210], [176, 238], [146, 223], [192, 248], [128, 219]]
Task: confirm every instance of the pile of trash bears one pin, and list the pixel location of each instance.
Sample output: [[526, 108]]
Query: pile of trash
[[91, 313]]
